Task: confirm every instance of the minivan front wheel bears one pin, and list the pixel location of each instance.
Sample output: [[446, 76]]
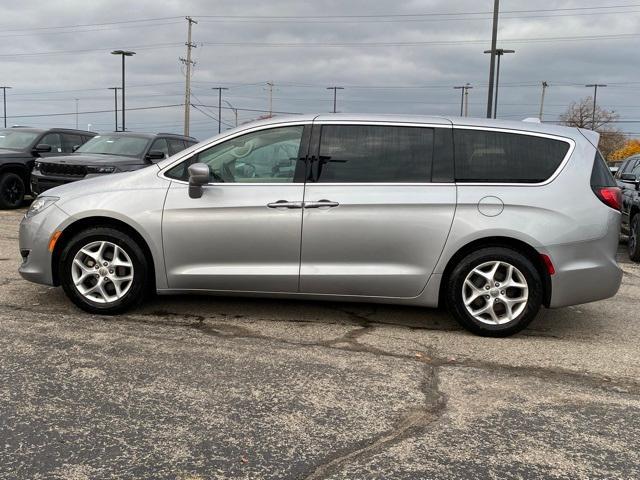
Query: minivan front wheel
[[494, 291], [103, 271]]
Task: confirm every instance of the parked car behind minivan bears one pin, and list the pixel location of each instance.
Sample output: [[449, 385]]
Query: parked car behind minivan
[[105, 154], [19, 149], [492, 218]]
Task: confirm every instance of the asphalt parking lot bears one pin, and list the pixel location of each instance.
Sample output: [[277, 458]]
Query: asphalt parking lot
[[199, 388]]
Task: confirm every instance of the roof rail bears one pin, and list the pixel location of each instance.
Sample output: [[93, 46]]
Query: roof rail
[[177, 135]]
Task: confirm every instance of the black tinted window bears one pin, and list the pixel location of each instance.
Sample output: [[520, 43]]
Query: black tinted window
[[488, 156], [600, 173], [372, 153], [69, 141], [176, 145]]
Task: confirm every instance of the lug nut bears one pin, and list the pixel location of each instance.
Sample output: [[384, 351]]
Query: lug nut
[[502, 292], [487, 297], [111, 270], [105, 264], [497, 284], [97, 267], [487, 287]]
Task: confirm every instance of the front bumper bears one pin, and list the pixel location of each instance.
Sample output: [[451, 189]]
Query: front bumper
[[34, 237], [41, 183]]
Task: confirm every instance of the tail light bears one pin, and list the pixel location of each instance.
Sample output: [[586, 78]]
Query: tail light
[[603, 184], [610, 196]]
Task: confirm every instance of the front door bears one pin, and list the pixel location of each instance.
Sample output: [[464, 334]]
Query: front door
[[374, 222], [244, 233]]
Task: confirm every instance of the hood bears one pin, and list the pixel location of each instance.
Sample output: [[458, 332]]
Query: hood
[[93, 159], [5, 152]]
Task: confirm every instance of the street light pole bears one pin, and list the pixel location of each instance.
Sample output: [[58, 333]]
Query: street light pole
[[494, 39], [499, 52], [544, 89], [335, 91], [219, 106], [4, 102], [124, 53], [115, 108], [595, 96]]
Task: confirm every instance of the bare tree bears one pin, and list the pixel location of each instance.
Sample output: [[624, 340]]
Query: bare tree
[[580, 114]]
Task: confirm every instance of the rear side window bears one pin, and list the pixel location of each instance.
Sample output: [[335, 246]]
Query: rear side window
[[600, 173], [176, 145], [489, 156], [374, 153]]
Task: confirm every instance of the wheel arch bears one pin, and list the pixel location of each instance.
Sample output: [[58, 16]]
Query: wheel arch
[[499, 241], [100, 221]]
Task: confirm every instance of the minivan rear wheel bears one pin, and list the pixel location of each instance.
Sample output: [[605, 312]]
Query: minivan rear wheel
[[494, 291], [103, 271]]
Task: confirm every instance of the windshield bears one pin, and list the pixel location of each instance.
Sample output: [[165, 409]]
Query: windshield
[[16, 140], [125, 146]]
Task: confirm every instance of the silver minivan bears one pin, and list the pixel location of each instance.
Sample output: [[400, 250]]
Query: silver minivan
[[493, 219]]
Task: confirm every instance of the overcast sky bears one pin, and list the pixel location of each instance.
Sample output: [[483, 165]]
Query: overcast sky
[[391, 57]]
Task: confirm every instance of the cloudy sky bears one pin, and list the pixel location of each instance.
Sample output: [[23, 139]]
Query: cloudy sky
[[390, 56]]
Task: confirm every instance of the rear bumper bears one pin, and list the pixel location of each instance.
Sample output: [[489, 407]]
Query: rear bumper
[[586, 271]]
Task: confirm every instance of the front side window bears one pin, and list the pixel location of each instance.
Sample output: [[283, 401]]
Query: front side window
[[160, 145], [54, 140], [69, 141], [375, 154], [16, 140], [176, 145], [126, 146], [490, 156], [266, 156]]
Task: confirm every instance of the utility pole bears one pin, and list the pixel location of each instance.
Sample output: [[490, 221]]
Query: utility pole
[[115, 108], [492, 63], [464, 98], [270, 84], [595, 96], [4, 102], [77, 100], [219, 106], [335, 90], [187, 88], [544, 89]]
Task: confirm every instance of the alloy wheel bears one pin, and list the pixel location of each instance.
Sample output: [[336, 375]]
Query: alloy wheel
[[102, 272], [495, 292]]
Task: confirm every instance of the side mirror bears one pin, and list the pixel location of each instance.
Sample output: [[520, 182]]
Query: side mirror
[[628, 178], [42, 148], [155, 155], [198, 176]]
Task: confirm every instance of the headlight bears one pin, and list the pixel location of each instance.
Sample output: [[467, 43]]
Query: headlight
[[40, 204], [98, 169]]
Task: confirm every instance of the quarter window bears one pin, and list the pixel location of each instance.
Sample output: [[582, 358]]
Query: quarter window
[[69, 141], [176, 145], [265, 156], [489, 156], [374, 153]]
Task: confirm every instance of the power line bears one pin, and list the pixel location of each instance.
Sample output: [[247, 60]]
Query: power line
[[93, 111], [117, 22]]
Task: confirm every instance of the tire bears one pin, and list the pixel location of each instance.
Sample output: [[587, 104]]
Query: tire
[[101, 243], [469, 273], [633, 245], [12, 190]]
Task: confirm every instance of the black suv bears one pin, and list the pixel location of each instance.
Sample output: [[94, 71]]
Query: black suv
[[628, 177], [21, 146], [107, 153]]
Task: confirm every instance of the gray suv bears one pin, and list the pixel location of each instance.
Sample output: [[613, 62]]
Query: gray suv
[[492, 219]]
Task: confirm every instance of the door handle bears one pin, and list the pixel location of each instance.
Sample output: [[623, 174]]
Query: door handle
[[284, 204], [320, 204]]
